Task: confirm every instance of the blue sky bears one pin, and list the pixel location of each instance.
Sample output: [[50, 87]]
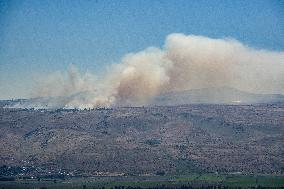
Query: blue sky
[[40, 37]]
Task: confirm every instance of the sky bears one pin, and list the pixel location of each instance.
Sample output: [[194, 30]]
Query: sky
[[41, 37]]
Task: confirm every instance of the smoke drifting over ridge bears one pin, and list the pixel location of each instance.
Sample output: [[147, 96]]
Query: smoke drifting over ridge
[[185, 62]]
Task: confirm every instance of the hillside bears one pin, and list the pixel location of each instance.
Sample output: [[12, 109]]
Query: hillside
[[143, 140]]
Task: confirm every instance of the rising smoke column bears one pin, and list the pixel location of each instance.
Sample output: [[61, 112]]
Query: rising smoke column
[[185, 62]]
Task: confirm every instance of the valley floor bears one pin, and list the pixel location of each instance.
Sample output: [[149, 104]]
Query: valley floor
[[157, 182]]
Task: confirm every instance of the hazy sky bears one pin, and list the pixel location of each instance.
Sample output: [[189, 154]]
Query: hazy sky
[[40, 37]]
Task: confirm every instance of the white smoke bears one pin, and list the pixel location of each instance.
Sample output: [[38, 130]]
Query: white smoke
[[185, 62]]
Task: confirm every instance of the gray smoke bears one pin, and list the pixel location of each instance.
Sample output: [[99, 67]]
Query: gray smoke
[[185, 62]]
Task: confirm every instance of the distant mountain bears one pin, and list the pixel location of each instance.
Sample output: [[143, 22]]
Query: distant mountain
[[224, 95], [53, 102], [38, 103]]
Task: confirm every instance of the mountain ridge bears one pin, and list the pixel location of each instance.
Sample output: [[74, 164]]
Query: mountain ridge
[[222, 95]]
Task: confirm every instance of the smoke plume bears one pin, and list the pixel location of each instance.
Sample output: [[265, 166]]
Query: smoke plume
[[185, 62]]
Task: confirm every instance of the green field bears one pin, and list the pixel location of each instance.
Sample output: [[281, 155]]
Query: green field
[[193, 180]]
